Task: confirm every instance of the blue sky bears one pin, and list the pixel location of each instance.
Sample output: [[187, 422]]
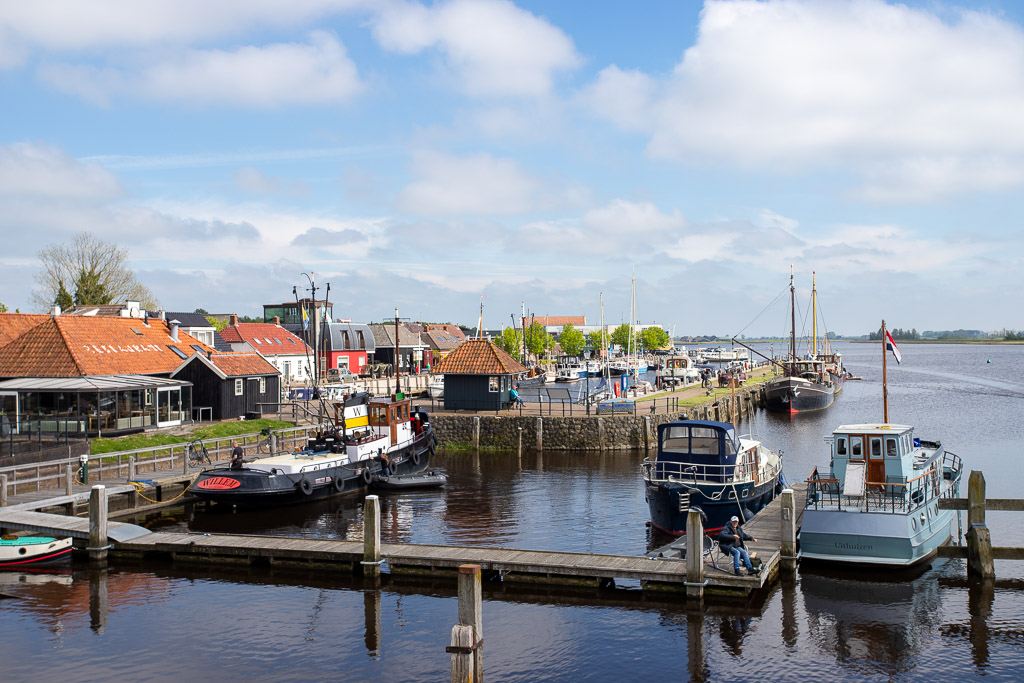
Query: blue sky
[[427, 155]]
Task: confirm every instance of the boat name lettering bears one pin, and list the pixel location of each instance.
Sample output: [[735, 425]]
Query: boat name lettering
[[219, 483], [854, 546]]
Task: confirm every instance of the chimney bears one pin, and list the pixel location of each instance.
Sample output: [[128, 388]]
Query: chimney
[[233, 320], [162, 314], [174, 329], [209, 355], [277, 320]]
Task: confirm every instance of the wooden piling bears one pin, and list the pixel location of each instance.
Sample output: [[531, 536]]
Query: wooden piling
[[69, 475], [461, 651], [694, 556], [787, 553], [133, 497], [476, 433], [647, 432], [540, 434], [371, 537], [600, 434], [980, 562], [98, 524], [471, 614], [3, 490]]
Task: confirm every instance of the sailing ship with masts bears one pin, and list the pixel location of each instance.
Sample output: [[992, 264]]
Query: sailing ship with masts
[[808, 382]]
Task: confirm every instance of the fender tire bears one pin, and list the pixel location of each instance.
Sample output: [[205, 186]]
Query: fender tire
[[306, 486], [416, 458], [339, 484], [367, 476]]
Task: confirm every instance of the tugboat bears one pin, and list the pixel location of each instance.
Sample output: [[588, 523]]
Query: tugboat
[[878, 504], [704, 465], [24, 552], [341, 458]]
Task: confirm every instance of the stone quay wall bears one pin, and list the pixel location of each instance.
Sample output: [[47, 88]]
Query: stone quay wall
[[593, 432]]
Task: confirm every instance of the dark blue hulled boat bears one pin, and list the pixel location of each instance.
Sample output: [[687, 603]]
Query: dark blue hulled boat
[[704, 465]]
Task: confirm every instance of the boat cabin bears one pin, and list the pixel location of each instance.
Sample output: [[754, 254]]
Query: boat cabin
[[874, 455], [698, 449]]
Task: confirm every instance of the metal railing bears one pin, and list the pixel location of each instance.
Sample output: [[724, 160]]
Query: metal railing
[[701, 473]]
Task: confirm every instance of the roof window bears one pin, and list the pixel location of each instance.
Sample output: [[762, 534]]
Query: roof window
[[135, 331], [257, 341], [177, 351]]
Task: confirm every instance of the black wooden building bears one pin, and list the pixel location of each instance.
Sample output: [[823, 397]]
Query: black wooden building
[[231, 385], [478, 376]]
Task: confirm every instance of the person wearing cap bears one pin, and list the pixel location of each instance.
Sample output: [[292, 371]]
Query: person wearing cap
[[730, 539]]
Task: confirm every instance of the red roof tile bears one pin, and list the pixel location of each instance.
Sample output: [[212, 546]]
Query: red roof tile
[[13, 325], [243, 364], [478, 357], [546, 320], [267, 338], [72, 346]]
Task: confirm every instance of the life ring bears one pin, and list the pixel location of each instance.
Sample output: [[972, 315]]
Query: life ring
[[367, 476], [416, 458], [339, 484], [306, 486]]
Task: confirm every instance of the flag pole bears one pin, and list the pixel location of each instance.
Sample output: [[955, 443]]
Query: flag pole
[[885, 387]]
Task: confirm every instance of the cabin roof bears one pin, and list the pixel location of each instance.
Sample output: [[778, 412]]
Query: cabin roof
[[873, 428]]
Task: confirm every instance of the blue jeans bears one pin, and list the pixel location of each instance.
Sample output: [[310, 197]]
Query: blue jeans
[[738, 553]]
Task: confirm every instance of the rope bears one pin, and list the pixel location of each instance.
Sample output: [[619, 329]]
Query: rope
[[140, 486]]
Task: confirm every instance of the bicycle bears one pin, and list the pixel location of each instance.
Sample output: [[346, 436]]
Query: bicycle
[[263, 445], [197, 453]]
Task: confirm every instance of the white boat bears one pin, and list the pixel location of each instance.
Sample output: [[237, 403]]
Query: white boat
[[25, 552], [679, 369], [570, 370], [436, 387], [879, 502], [720, 355]]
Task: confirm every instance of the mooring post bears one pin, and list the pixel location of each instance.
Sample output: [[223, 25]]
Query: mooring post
[[519, 450], [540, 434], [273, 444], [68, 479], [476, 433], [647, 432], [371, 537], [471, 615], [3, 490], [600, 433], [133, 497], [979, 541], [788, 550], [694, 556], [98, 524], [184, 459]]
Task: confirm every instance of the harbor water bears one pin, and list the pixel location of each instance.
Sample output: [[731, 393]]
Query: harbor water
[[161, 622]]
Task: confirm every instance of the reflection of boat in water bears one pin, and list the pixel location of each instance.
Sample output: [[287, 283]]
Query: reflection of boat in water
[[26, 552], [339, 460], [705, 466], [874, 623], [879, 502]]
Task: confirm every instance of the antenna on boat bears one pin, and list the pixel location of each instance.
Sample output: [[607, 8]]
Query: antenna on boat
[[814, 316], [885, 387]]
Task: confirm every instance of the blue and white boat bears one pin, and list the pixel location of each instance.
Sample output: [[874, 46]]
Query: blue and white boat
[[706, 466], [878, 504]]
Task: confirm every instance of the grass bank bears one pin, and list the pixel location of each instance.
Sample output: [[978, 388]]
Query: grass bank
[[219, 430]]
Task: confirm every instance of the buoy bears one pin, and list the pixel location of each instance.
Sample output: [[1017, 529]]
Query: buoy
[[988, 360]]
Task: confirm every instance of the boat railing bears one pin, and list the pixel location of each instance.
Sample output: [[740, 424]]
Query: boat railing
[[896, 495], [747, 469]]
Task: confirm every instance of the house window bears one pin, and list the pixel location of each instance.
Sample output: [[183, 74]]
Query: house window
[[239, 387], [492, 384], [263, 385]]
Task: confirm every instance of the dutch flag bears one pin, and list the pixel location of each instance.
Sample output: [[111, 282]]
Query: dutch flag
[[891, 345]]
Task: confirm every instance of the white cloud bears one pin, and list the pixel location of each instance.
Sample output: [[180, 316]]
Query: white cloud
[[493, 47], [36, 170], [71, 25], [481, 184], [269, 76], [917, 105]]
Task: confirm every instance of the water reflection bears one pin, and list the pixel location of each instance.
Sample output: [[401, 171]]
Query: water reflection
[[866, 622]]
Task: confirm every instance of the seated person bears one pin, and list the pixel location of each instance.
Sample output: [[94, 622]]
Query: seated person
[[730, 539], [514, 395]]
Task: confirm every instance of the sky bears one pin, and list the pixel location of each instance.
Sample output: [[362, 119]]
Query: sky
[[438, 156]]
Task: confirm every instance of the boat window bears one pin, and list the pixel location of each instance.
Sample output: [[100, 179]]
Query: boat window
[[890, 447], [876, 447], [676, 439], [855, 449], [378, 415], [704, 441], [841, 445]]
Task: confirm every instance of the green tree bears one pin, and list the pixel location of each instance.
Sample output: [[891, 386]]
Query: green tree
[[99, 271], [571, 340], [63, 299], [216, 323], [90, 289], [654, 338], [594, 339], [538, 341], [3, 309], [620, 336], [511, 342]]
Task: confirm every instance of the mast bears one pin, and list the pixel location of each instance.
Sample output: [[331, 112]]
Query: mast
[[398, 389], [885, 387], [814, 316], [792, 329]]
